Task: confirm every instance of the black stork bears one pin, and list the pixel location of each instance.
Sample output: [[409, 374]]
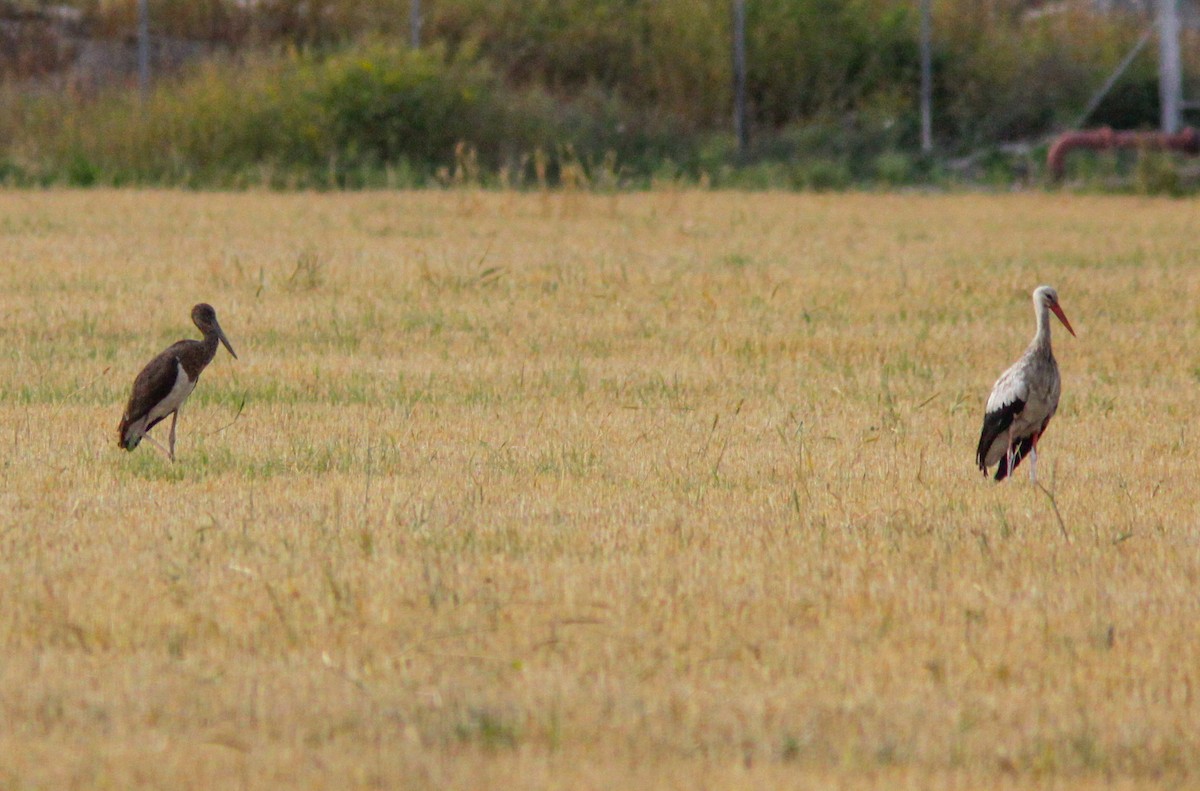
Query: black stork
[[1024, 398], [167, 380]]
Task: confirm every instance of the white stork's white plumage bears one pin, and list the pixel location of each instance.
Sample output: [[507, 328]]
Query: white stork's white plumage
[[1024, 398]]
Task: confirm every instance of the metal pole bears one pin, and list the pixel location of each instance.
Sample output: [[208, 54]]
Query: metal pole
[[1099, 95], [1170, 72], [414, 24], [143, 47], [740, 129], [926, 77]]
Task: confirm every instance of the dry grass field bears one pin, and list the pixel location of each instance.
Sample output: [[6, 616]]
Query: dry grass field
[[573, 491]]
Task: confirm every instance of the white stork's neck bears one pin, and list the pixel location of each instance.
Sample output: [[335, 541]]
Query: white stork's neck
[[1041, 341]]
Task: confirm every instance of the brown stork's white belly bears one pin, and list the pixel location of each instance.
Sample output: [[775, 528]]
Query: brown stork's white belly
[[182, 388]]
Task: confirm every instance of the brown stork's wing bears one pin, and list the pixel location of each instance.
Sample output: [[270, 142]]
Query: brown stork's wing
[[152, 385]]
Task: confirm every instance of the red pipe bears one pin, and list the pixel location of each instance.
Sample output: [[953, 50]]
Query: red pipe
[[1186, 141]]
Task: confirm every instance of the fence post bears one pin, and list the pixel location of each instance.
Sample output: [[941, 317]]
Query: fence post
[[740, 129], [143, 47], [1170, 79], [926, 77], [414, 24]]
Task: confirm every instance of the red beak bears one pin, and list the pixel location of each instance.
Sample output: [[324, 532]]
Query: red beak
[[1062, 317]]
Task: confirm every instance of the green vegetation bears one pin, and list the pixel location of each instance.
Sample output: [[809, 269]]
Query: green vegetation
[[599, 93]]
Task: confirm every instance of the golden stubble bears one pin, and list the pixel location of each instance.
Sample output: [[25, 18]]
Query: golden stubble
[[596, 491]]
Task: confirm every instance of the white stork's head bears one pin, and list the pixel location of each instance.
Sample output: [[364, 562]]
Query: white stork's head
[[1045, 297]]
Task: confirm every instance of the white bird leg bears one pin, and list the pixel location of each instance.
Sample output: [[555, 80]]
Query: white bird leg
[[1033, 464], [174, 417]]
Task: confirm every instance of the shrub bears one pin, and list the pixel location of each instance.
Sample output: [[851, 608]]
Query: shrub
[[379, 105], [1156, 174], [894, 168], [362, 116]]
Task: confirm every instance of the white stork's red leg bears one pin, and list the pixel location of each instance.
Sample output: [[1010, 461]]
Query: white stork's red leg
[[1008, 455], [1033, 457]]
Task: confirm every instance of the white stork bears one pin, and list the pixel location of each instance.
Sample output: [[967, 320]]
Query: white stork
[[1024, 398]]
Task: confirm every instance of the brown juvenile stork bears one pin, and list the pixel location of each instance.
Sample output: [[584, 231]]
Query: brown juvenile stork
[[167, 380], [1024, 398]]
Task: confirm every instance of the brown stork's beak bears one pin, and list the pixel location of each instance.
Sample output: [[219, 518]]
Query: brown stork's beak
[[1054, 307], [224, 340]]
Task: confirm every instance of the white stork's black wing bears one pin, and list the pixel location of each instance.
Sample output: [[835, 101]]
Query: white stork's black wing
[[1020, 451], [1007, 400]]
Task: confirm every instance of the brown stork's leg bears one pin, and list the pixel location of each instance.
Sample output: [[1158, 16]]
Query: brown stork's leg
[[158, 445], [174, 417]]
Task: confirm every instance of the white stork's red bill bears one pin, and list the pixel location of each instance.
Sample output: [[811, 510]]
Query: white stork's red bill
[[1024, 398]]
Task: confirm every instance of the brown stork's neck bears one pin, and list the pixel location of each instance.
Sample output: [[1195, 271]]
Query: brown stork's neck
[[196, 355], [211, 340]]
